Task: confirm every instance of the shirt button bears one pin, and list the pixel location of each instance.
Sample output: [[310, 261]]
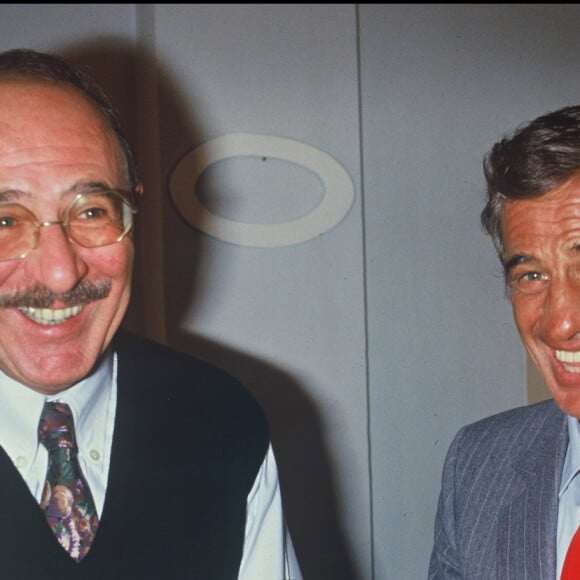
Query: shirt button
[[95, 455], [20, 462]]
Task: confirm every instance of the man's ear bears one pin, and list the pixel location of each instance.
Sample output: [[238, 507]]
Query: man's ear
[[136, 195]]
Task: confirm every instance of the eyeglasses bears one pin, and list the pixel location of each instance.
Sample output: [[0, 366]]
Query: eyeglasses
[[91, 220]]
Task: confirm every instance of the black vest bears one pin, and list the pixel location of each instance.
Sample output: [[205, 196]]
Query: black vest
[[187, 446]]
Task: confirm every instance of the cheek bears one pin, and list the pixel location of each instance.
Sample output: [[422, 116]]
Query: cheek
[[115, 261], [526, 312], [9, 275]]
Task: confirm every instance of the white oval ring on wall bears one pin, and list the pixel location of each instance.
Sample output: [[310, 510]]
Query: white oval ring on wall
[[338, 194]]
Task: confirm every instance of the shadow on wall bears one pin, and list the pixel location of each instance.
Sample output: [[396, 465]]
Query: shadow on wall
[[165, 288]]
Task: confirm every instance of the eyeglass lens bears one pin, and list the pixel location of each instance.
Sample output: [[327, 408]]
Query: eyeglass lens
[[91, 220]]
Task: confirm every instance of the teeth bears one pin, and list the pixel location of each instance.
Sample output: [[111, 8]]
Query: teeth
[[50, 316], [568, 356]]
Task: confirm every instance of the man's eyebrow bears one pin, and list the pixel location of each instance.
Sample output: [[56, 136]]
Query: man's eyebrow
[[8, 195], [514, 261], [89, 186]]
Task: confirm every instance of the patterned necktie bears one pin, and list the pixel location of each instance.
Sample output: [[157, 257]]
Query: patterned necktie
[[571, 568], [66, 498]]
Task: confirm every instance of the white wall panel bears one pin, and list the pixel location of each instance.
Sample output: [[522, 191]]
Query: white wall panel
[[56, 26], [289, 320], [440, 84]]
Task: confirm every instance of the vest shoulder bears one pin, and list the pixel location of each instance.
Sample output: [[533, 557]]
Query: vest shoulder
[[148, 356], [148, 370]]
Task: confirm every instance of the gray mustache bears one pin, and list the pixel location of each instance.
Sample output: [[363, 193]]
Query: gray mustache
[[41, 297]]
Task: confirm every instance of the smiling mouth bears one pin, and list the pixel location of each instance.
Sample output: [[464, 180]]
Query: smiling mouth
[[569, 359], [50, 316]]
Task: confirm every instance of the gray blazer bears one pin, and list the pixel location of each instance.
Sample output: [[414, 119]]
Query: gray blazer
[[498, 508]]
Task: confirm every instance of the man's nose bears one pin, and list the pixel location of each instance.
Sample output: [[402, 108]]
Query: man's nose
[[54, 263], [561, 315]]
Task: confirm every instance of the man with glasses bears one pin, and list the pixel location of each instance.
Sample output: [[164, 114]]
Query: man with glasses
[[119, 458], [510, 499]]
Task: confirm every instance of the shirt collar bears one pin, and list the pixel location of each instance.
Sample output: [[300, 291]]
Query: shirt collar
[[88, 399], [572, 461], [89, 403]]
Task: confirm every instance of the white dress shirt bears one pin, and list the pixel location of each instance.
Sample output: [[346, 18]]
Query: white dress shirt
[[268, 552], [569, 496]]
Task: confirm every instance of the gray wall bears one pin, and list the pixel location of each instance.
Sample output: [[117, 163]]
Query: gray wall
[[372, 340]]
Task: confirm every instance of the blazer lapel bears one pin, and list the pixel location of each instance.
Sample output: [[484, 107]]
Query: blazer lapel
[[527, 528]]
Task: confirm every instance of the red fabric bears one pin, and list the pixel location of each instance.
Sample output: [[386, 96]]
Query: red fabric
[[571, 568]]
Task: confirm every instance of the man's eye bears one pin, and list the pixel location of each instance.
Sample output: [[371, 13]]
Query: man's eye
[[7, 222], [92, 213], [532, 277], [529, 282]]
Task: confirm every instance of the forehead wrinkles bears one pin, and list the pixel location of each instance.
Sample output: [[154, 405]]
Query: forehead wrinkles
[[549, 222], [40, 157], [59, 169]]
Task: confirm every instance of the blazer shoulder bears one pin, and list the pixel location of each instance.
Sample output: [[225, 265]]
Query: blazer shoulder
[[516, 419], [511, 432]]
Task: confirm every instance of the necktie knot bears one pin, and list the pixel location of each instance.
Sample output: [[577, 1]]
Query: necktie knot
[[56, 428]]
